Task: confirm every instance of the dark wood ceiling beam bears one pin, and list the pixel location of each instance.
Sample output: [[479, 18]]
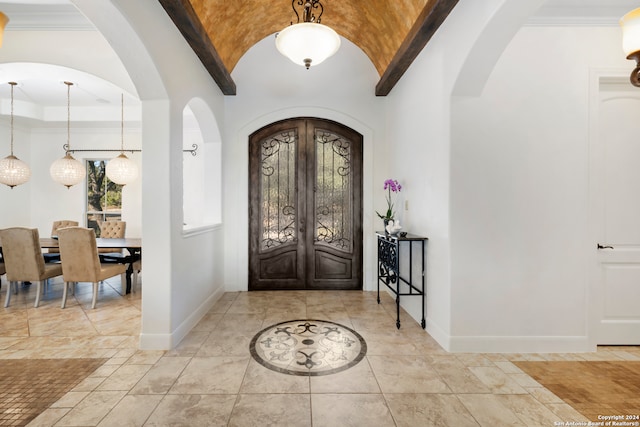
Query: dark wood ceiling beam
[[430, 19], [184, 17]]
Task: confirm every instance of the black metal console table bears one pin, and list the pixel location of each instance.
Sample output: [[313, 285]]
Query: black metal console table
[[389, 268]]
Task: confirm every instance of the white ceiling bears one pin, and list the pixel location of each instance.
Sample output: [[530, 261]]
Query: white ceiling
[[43, 84]]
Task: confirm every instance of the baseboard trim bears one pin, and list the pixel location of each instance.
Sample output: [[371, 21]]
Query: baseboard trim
[[518, 344], [170, 341]]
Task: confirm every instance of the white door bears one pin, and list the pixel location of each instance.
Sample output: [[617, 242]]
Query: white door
[[615, 191]]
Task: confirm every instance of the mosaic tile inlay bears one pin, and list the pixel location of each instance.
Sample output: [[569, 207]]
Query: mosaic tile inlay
[[29, 386], [308, 347]]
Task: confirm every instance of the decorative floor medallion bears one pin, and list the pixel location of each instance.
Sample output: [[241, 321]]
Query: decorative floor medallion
[[308, 347]]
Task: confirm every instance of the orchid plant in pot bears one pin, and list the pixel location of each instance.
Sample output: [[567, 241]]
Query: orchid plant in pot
[[393, 188]]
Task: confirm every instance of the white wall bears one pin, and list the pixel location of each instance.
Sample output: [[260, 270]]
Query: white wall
[[184, 270], [202, 172], [340, 89], [419, 135], [519, 194], [503, 173], [193, 181]]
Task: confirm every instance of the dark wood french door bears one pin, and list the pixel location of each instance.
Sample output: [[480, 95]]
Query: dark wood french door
[[305, 206]]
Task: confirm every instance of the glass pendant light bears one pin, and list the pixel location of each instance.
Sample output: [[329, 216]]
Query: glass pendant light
[[68, 171], [13, 171], [309, 42], [121, 169]]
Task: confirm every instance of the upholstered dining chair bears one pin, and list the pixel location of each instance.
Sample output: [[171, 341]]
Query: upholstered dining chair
[[112, 229], [57, 225], [54, 233], [80, 261], [24, 261]]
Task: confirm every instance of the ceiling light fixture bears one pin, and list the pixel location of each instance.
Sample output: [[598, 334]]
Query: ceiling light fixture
[[67, 170], [13, 171], [3, 23], [309, 42], [121, 169], [631, 41]]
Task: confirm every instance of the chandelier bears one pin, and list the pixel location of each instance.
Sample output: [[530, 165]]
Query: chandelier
[[631, 41], [309, 42], [67, 171], [13, 171], [121, 169]]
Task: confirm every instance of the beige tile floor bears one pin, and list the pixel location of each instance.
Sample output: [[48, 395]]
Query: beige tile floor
[[210, 379]]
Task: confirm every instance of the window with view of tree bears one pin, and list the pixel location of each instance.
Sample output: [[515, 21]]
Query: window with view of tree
[[104, 197]]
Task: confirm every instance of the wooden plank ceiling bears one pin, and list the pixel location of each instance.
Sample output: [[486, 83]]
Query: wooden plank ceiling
[[390, 33]]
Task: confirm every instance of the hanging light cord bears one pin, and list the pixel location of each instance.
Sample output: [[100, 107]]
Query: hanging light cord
[[12, 85], [122, 123], [68, 148]]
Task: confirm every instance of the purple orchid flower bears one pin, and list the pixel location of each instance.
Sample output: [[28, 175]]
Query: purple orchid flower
[[392, 186]]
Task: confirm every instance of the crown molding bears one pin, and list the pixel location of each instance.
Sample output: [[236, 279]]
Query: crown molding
[[581, 13], [58, 17], [572, 21]]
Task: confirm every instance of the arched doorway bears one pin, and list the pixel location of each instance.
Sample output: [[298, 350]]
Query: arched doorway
[[305, 206]]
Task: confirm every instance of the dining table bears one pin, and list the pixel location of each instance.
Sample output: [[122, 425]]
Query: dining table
[[133, 245]]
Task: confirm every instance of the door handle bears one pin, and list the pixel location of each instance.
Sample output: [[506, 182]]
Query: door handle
[[604, 247]]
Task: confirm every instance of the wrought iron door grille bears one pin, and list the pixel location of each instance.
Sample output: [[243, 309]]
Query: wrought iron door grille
[[333, 189], [278, 181]]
